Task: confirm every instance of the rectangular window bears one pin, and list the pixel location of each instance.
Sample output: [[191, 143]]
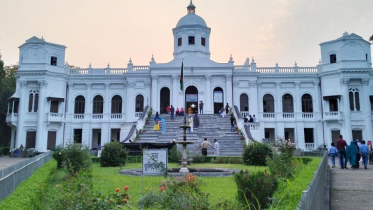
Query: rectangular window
[[333, 58], [190, 39], [203, 41], [308, 135], [54, 107], [54, 61], [52, 136], [36, 102], [30, 102], [333, 105], [179, 41]]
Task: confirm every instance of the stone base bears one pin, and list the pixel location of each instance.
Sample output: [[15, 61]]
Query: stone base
[[184, 170]]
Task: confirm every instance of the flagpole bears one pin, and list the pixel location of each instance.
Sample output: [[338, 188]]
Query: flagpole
[[182, 86]]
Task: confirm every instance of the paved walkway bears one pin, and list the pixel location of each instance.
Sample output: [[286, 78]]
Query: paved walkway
[[351, 189], [6, 161]]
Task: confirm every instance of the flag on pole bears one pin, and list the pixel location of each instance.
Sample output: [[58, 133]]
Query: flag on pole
[[182, 77]]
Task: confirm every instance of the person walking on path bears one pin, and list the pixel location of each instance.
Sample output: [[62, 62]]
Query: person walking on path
[[163, 125], [217, 147], [201, 107], [351, 152], [341, 146], [190, 123], [232, 123], [364, 151], [196, 121], [358, 155], [333, 152], [227, 108], [172, 110], [204, 145]]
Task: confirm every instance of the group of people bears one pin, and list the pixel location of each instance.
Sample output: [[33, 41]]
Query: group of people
[[171, 110], [193, 122], [224, 110], [205, 144], [250, 119], [157, 121], [354, 153]]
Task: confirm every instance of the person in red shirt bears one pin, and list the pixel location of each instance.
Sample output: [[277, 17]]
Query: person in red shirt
[[168, 109], [341, 146]]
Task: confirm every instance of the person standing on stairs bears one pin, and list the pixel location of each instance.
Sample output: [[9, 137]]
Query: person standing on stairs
[[204, 146], [232, 123], [217, 147], [168, 109], [196, 120], [172, 110], [163, 126], [190, 123], [201, 107], [227, 108]]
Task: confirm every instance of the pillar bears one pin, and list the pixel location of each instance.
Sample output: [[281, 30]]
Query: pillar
[[88, 103], [278, 101], [346, 109], [21, 115], [208, 109], [174, 100], [228, 87], [297, 102], [154, 95], [41, 144], [107, 102], [316, 99], [253, 99], [367, 109]]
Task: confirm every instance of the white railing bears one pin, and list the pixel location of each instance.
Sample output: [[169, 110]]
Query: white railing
[[244, 114], [243, 67], [54, 116], [266, 70], [138, 114], [288, 115], [333, 115], [79, 116], [140, 68], [15, 114], [116, 116], [116, 71], [253, 126], [269, 115], [286, 70], [310, 146], [97, 116], [328, 114], [307, 115], [307, 70], [78, 71]]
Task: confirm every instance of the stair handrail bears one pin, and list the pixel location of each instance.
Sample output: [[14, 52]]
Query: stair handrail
[[236, 110], [240, 125], [130, 134]]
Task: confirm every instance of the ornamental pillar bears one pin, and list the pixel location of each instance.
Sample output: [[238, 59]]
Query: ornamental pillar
[[41, 140], [208, 109], [346, 109], [367, 109], [22, 107], [154, 98], [228, 87]]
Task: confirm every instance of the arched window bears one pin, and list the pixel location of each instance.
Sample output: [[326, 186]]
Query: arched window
[[139, 103], [268, 103], [287, 103], [98, 105], [116, 104], [307, 103], [33, 102], [244, 102], [79, 105], [354, 99]]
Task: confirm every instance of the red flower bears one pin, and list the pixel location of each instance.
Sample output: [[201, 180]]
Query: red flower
[[163, 188], [126, 188], [117, 190]]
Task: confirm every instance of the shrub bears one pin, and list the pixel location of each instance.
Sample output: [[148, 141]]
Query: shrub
[[113, 154], [175, 155], [57, 155], [227, 160], [4, 151], [256, 153], [254, 190], [76, 157]]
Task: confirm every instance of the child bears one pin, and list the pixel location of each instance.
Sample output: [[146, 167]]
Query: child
[[333, 152]]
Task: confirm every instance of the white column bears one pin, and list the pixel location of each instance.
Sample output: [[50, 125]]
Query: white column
[[297, 100], [316, 100], [346, 109], [278, 101], [174, 100], [88, 103], [367, 109], [107, 102], [124, 100], [253, 99], [12, 139], [208, 109], [154, 91], [41, 140], [228, 87], [22, 109]]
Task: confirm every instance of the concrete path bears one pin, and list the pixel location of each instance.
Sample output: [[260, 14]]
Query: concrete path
[[6, 161], [351, 189]]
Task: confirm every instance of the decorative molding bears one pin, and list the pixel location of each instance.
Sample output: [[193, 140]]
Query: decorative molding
[[43, 83], [131, 83], [154, 77], [147, 84], [175, 77], [164, 81], [236, 83], [218, 81], [253, 83], [201, 92], [344, 81], [23, 83], [208, 76], [228, 76], [88, 85], [365, 81], [107, 85]]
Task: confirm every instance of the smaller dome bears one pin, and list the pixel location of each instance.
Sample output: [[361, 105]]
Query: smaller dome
[[191, 19]]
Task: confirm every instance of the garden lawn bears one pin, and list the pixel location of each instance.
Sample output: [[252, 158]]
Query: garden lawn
[[107, 180], [289, 193]]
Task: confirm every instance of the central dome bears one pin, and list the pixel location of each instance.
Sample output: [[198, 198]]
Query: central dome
[[191, 19]]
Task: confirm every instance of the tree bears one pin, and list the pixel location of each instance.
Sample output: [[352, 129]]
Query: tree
[[7, 88], [371, 38]]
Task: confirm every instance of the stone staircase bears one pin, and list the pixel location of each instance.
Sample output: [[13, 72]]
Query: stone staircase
[[210, 127]]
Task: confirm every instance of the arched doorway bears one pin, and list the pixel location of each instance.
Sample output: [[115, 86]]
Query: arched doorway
[[165, 100], [218, 99], [191, 99], [244, 102]]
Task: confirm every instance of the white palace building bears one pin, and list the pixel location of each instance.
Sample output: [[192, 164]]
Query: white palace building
[[311, 106]]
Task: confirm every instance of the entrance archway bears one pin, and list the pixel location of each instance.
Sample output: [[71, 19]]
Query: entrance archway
[[191, 99], [165, 100], [218, 99]]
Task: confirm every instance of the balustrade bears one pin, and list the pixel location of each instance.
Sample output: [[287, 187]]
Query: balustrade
[[244, 114], [138, 114], [140, 68], [54, 117], [269, 115], [310, 146], [78, 116], [253, 126], [97, 116], [307, 115], [288, 115], [116, 116]]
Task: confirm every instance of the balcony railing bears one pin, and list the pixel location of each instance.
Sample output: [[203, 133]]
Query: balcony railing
[[97, 116], [244, 114], [54, 117], [116, 116], [269, 115], [253, 126], [78, 116], [335, 115], [307, 115], [310, 146], [11, 117], [287, 115]]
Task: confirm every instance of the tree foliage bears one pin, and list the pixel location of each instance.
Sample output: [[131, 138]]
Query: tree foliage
[[7, 88], [371, 38]]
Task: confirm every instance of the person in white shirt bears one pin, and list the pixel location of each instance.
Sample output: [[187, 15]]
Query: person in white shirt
[[217, 147]]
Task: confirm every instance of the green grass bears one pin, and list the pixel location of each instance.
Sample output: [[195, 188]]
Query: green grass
[[289, 193]]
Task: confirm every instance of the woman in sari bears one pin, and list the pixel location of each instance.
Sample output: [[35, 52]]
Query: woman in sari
[[190, 123], [156, 125], [177, 112], [351, 152], [196, 120], [163, 125], [182, 111]]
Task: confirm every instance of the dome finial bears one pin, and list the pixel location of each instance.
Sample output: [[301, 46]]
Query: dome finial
[[191, 8]]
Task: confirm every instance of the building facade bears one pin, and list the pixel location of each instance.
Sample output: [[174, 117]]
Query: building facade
[[312, 106]]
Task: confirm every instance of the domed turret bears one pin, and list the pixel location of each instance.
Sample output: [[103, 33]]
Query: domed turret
[[191, 35]]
